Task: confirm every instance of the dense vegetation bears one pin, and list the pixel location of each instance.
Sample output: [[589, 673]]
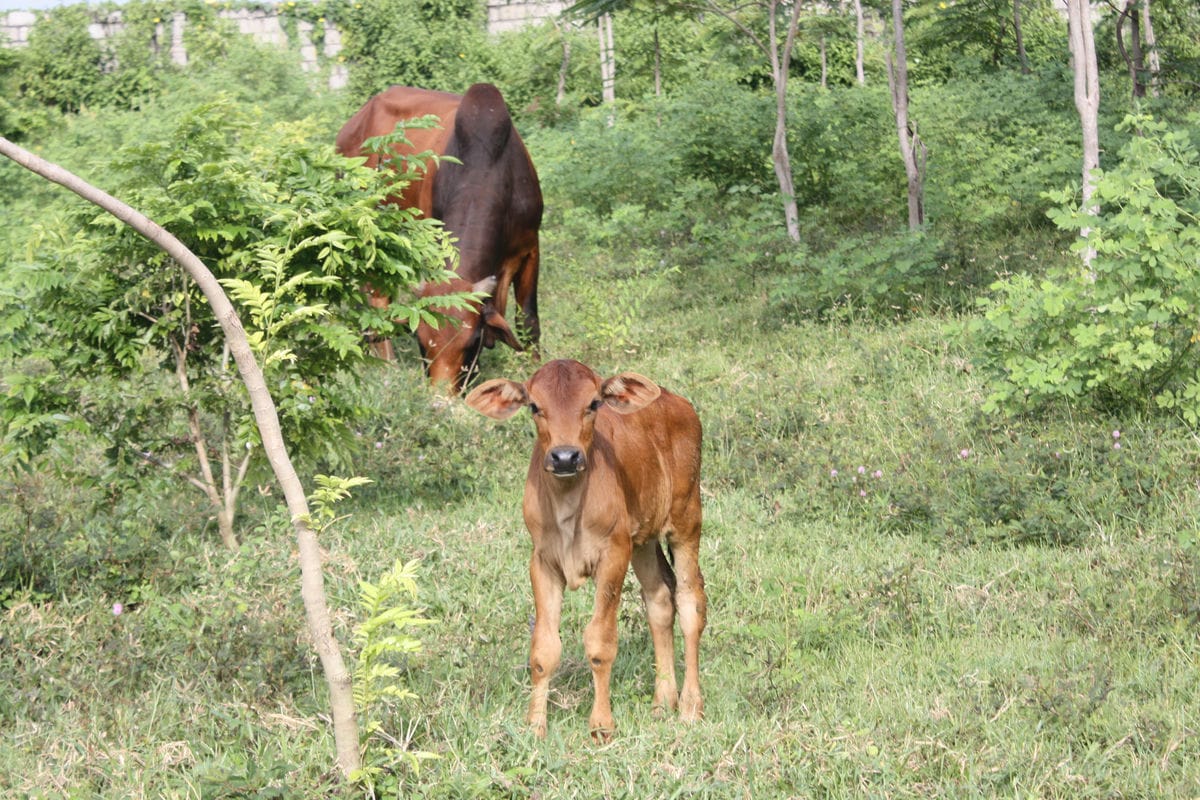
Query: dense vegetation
[[950, 475]]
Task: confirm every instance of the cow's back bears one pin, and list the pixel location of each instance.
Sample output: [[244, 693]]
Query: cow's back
[[491, 199], [378, 117]]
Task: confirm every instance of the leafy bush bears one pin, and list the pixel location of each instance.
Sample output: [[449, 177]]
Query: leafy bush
[[948, 41], [436, 44], [109, 333], [844, 155], [995, 143], [527, 65], [720, 133], [594, 166], [63, 65], [385, 641], [894, 274], [1119, 333]]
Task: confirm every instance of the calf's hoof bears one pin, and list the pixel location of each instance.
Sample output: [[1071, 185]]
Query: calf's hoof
[[602, 735]]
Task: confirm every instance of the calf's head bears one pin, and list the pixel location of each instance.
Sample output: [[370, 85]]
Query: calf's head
[[564, 398]]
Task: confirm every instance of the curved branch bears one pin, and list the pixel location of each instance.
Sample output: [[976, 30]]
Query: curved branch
[[316, 609]]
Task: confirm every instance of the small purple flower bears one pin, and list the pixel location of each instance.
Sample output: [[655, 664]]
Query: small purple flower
[[862, 492], [877, 474], [117, 609], [833, 473], [862, 470], [379, 445], [1116, 445], [1116, 434], [964, 453]]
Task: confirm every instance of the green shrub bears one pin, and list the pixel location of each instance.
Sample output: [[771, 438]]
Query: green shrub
[[995, 143], [845, 159], [1119, 334], [890, 274], [440, 44], [63, 65], [109, 335]]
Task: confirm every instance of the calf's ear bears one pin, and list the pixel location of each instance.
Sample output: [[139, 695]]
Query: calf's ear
[[629, 392], [498, 398]]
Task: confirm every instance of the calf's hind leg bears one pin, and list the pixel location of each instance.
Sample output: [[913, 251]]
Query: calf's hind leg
[[658, 590], [692, 605]]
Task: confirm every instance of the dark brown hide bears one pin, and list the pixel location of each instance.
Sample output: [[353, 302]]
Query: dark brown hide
[[615, 474], [491, 203]]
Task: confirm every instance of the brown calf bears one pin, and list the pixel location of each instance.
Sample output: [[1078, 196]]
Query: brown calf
[[616, 468]]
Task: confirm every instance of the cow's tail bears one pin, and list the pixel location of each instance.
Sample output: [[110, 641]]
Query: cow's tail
[[666, 564]]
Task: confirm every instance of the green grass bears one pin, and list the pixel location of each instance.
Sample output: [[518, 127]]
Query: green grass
[[1006, 610]]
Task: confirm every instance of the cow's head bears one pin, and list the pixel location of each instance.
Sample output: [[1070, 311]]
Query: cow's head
[[451, 349], [564, 398]]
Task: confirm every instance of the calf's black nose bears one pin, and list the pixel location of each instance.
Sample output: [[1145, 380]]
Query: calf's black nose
[[565, 461]]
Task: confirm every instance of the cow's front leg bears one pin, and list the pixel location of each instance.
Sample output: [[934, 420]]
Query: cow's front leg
[[545, 648], [600, 638]]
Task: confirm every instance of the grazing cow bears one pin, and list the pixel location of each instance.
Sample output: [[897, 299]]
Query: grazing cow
[[491, 202], [615, 469]]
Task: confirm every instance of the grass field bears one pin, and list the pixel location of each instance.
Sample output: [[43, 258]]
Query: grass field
[[906, 599]]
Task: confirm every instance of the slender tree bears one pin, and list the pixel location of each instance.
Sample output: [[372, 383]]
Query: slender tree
[[1132, 54], [912, 149], [1021, 54], [316, 608], [608, 64], [1151, 42], [777, 47], [859, 37], [1087, 98]]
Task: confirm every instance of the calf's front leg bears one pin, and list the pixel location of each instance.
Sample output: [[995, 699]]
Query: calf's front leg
[[600, 638], [545, 650]]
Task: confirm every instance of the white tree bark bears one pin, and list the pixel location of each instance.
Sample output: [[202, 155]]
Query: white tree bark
[[912, 149], [337, 676], [560, 94], [780, 59], [859, 37], [1151, 42], [608, 66], [1087, 98], [824, 65]]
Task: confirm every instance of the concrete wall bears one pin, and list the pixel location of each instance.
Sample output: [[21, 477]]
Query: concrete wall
[[265, 26]]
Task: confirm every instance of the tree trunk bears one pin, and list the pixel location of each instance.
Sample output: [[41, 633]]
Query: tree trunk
[[1021, 55], [1087, 99], [912, 149], [608, 76], [1133, 54], [824, 65], [657, 64], [560, 94], [858, 51], [345, 727], [779, 152], [1151, 48]]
